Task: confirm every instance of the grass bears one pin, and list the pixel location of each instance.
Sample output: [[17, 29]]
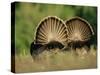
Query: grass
[[57, 60]]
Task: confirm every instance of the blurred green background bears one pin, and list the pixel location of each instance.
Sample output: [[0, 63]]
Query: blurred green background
[[28, 15]]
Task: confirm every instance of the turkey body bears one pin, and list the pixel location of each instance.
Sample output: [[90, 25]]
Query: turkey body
[[51, 33], [79, 32]]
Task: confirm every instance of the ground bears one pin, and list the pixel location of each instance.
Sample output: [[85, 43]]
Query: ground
[[57, 60]]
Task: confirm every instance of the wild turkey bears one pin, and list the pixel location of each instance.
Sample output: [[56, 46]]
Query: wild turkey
[[80, 33], [51, 33]]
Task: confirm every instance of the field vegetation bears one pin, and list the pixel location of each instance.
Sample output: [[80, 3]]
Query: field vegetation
[[57, 60]]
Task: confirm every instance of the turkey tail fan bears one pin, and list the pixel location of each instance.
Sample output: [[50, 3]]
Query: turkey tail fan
[[51, 29], [79, 32]]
